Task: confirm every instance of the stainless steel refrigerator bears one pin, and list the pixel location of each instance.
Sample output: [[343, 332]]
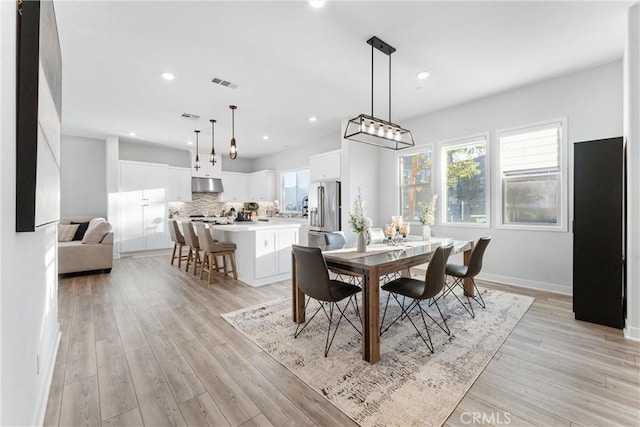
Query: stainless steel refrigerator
[[325, 210]]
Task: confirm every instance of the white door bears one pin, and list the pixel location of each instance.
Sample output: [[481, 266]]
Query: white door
[[155, 226], [286, 238], [266, 253]]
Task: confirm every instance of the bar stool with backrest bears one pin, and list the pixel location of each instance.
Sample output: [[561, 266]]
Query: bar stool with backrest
[[418, 291], [460, 272], [313, 280], [214, 249], [194, 247], [178, 242]]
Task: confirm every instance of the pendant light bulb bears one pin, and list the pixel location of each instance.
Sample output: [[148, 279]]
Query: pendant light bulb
[[389, 133], [398, 135], [196, 164], [363, 126], [212, 156], [381, 131], [372, 128], [233, 149]]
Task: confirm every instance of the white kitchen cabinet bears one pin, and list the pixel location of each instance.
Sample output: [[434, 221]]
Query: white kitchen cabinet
[[207, 170], [263, 250], [143, 206], [286, 238], [179, 187], [262, 186], [235, 186], [266, 253], [324, 166]]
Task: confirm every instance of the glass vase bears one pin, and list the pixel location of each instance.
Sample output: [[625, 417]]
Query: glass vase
[[426, 233]]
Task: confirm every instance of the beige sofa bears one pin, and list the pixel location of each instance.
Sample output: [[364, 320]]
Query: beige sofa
[[75, 256]]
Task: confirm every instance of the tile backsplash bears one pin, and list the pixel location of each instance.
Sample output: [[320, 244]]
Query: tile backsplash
[[208, 204]]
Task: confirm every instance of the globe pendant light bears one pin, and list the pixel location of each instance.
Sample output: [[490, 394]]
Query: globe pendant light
[[196, 164], [371, 129], [212, 157], [233, 150]]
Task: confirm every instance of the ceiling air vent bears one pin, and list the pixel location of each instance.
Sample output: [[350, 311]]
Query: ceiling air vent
[[224, 83], [190, 116]]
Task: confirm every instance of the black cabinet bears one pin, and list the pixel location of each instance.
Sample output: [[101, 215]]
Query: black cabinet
[[598, 232]]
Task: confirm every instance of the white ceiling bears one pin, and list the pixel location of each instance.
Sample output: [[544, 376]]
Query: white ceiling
[[291, 61]]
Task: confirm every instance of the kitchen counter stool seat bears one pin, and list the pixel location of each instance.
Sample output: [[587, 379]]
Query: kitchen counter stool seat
[[214, 249]]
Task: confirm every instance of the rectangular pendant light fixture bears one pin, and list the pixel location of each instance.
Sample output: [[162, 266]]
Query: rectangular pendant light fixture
[[372, 130]]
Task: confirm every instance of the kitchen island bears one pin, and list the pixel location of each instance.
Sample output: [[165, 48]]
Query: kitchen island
[[263, 252]]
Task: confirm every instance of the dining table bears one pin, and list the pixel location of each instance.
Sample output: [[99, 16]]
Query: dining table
[[378, 261]]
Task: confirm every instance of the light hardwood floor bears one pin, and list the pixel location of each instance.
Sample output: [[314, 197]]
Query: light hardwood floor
[[145, 345]]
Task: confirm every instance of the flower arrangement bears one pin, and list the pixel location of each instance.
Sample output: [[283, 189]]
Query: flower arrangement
[[359, 222], [428, 212]]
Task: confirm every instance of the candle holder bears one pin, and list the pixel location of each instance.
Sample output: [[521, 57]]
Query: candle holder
[[397, 231]]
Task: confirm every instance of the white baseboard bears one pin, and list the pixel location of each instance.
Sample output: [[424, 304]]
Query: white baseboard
[[530, 284], [632, 333], [44, 396]]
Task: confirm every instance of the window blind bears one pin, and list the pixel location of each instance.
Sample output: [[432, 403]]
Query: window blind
[[533, 149]]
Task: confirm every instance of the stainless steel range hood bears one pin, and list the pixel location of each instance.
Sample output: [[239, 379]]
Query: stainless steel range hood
[[206, 185]]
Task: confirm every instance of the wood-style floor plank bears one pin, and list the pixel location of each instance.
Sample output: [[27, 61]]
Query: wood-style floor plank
[[145, 345], [130, 418], [80, 403], [157, 405], [116, 389], [228, 395], [183, 382], [203, 411]]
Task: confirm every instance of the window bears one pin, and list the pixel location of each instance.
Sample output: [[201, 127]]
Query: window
[[415, 182], [295, 187], [532, 176], [465, 181]]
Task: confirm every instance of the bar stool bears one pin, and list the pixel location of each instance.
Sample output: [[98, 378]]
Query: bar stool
[[213, 249], [194, 248], [178, 242]]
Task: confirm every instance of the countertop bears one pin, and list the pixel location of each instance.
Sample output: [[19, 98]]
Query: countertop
[[252, 226]]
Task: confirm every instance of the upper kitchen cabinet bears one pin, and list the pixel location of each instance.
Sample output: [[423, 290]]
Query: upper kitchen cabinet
[[262, 186], [207, 170], [179, 189], [324, 166], [235, 186]]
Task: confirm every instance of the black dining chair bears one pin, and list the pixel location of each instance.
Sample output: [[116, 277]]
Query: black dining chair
[[336, 240], [418, 291], [313, 280], [460, 272]]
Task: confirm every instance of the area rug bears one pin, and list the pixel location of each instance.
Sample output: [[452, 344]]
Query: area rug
[[409, 385]]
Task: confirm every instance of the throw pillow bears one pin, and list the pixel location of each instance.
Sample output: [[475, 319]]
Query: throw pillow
[[96, 232], [66, 232], [82, 228]]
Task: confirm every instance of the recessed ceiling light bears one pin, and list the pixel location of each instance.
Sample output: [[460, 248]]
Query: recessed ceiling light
[[317, 4], [132, 134], [189, 142], [313, 119], [422, 75], [168, 76], [265, 137]]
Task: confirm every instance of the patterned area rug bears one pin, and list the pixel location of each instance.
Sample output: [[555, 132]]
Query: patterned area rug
[[409, 385]]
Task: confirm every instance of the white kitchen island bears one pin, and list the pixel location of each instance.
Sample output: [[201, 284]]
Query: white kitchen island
[[263, 253]]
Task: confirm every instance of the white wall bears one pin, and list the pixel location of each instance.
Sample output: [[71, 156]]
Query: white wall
[[632, 133], [83, 183], [154, 153], [592, 102], [28, 274], [298, 157], [237, 165]]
